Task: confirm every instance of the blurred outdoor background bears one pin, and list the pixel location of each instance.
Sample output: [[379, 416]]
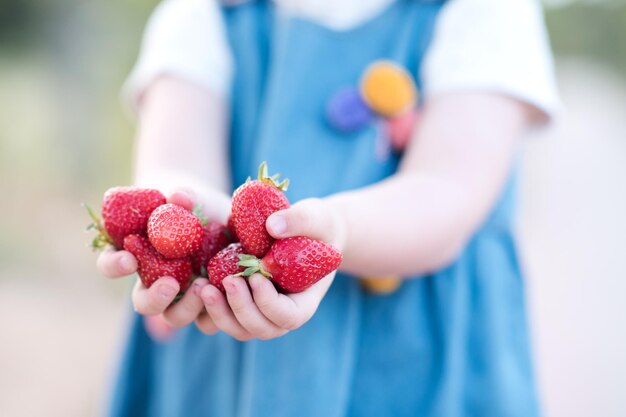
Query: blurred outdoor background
[[65, 138]]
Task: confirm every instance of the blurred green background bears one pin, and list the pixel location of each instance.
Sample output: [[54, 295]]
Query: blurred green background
[[65, 138]]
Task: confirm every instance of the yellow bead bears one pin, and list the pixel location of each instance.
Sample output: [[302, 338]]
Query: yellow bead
[[388, 88], [381, 285]]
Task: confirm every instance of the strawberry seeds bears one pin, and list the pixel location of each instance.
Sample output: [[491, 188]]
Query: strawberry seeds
[[168, 240]]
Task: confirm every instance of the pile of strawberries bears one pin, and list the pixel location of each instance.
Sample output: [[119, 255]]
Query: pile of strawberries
[[169, 240]]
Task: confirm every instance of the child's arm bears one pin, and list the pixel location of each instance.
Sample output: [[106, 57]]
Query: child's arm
[[181, 141], [414, 222], [418, 220], [182, 151]]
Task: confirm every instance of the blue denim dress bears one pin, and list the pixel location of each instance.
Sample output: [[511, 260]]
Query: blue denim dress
[[454, 343]]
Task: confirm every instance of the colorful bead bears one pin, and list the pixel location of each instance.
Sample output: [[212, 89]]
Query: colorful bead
[[388, 88], [401, 128], [347, 112], [381, 285]]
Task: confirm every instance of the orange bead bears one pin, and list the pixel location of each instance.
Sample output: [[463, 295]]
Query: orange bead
[[381, 285], [388, 88]]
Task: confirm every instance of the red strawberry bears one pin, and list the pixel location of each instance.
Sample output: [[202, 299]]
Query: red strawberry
[[253, 203], [231, 229], [151, 265], [295, 263], [214, 239], [174, 231], [125, 211], [225, 263]]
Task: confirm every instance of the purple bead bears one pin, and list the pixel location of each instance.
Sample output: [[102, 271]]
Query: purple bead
[[347, 112]]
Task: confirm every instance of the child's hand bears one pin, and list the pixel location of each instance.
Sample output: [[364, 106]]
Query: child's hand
[[260, 311], [157, 299]]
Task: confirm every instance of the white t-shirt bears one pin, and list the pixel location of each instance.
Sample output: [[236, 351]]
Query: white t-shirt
[[479, 45]]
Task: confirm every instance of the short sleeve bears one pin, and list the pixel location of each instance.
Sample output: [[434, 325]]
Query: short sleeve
[[493, 45], [187, 39]]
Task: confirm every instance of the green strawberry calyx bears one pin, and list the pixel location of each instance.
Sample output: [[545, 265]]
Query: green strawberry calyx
[[252, 265], [198, 211], [102, 239], [273, 180]]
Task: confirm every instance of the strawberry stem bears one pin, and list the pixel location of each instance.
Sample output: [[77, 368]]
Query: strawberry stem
[[199, 213], [252, 265], [273, 180], [102, 239], [263, 170]]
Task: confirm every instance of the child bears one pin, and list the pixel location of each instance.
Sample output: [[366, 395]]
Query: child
[[221, 87]]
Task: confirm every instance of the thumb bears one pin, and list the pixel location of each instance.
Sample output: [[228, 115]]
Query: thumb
[[311, 217]]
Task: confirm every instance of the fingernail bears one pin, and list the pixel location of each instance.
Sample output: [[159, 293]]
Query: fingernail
[[167, 292], [126, 264], [208, 300], [229, 286], [254, 282], [277, 223], [206, 293], [198, 284]]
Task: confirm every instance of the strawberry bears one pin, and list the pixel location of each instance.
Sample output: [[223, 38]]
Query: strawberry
[[214, 239], [253, 203], [294, 263], [151, 265], [125, 211], [174, 231], [230, 226], [225, 263]]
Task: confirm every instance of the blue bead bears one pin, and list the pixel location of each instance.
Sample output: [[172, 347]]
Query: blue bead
[[347, 112]]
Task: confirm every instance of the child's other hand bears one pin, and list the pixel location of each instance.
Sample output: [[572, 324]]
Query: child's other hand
[[116, 263], [157, 299], [259, 310]]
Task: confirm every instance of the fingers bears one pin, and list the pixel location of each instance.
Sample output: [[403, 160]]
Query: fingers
[[288, 312], [154, 300], [237, 314], [278, 308], [215, 205], [221, 314], [184, 198], [113, 264], [187, 309], [157, 328], [246, 311], [313, 295], [264, 314], [310, 217], [205, 324]]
